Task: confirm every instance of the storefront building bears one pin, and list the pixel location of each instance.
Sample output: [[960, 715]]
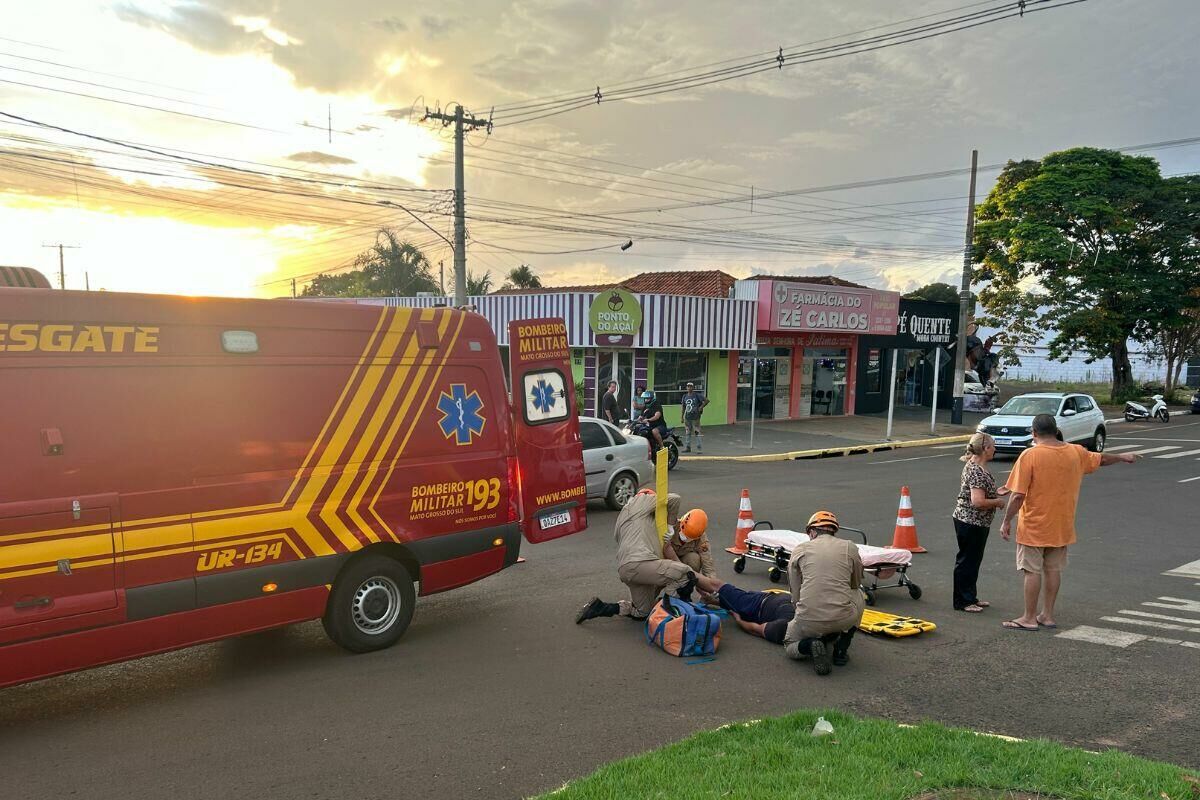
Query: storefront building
[[656, 341], [808, 346], [923, 340]]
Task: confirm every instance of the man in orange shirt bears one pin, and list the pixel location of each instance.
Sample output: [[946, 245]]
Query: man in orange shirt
[[1044, 484]]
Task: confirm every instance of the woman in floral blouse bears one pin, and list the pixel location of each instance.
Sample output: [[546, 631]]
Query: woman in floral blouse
[[978, 500]]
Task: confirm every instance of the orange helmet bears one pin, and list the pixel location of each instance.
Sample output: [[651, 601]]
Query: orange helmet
[[823, 519], [693, 524]]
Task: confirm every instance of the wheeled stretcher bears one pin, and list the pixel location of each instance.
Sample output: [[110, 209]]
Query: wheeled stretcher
[[765, 543]]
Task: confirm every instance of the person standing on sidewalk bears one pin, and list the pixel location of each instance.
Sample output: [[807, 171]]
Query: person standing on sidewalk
[[609, 406], [1045, 491], [973, 512], [690, 408]]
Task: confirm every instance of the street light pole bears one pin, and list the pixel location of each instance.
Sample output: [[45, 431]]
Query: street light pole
[[964, 301]]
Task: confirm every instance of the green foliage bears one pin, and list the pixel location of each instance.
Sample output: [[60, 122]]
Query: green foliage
[[934, 292], [522, 277], [1091, 244], [391, 268], [478, 284], [871, 760]]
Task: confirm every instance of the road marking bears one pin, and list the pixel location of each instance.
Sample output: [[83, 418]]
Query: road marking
[[1190, 606], [1150, 450], [948, 446], [1180, 455], [1108, 636], [1190, 570], [915, 458], [1120, 447], [1148, 615], [1189, 480], [1167, 626], [1148, 439]]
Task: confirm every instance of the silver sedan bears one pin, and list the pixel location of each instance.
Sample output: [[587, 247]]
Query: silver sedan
[[617, 465]]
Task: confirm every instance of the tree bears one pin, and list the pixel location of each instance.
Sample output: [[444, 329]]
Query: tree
[[1090, 246], [934, 292], [478, 284], [391, 268], [522, 277], [1174, 344]]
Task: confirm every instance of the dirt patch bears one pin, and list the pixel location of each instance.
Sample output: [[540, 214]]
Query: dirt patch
[[982, 794]]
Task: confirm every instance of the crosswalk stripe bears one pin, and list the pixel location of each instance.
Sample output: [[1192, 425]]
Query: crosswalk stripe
[[1150, 450], [1121, 447], [1168, 626], [1148, 615], [1180, 455], [959, 445]]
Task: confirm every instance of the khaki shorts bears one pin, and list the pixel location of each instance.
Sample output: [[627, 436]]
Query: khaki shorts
[[1037, 560]]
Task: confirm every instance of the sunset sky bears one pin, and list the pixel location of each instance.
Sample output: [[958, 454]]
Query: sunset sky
[[266, 136]]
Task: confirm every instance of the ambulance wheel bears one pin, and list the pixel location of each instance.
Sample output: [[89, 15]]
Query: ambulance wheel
[[774, 574], [870, 596], [371, 604], [914, 591], [739, 565]]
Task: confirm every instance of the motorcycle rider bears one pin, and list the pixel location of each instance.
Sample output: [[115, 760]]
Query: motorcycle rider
[[652, 415]]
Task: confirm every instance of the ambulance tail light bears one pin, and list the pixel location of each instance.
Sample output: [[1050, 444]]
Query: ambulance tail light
[[514, 489]]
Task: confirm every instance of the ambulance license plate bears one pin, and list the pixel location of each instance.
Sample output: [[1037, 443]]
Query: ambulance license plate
[[554, 520]]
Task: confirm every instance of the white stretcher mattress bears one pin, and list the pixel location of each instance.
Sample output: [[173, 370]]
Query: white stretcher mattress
[[871, 556]]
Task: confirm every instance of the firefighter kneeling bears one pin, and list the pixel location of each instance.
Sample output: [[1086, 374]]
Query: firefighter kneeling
[[640, 562], [825, 574]]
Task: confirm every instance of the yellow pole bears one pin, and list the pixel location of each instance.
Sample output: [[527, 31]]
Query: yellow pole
[[660, 488]]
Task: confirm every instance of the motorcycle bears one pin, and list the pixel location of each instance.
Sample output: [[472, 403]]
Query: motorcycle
[[670, 440], [1136, 411]]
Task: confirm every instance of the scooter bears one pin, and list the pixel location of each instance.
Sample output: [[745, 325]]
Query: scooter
[[637, 427], [1135, 411]]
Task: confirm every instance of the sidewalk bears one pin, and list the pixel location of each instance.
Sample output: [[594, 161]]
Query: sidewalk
[[820, 433]]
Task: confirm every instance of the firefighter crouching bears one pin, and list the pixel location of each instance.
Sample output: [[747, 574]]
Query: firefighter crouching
[[825, 574], [689, 544], [641, 565]]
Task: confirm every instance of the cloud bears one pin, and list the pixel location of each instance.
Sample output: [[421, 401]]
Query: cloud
[[195, 23], [317, 157], [390, 24], [436, 27]]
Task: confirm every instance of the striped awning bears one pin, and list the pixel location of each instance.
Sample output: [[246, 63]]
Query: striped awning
[[23, 278], [668, 321]]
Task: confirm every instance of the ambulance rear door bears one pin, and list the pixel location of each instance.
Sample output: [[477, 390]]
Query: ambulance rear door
[[553, 487]]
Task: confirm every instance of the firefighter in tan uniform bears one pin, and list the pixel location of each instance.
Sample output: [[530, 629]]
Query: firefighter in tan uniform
[[640, 562], [825, 574], [684, 545]]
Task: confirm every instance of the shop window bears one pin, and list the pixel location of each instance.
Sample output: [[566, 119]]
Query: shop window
[[674, 369], [874, 383]]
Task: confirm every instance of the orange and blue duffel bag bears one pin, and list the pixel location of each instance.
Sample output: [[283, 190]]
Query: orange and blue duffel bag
[[682, 628]]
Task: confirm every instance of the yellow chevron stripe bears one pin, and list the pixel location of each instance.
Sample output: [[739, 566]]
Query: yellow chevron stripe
[[397, 419], [365, 443], [74, 548], [447, 350]]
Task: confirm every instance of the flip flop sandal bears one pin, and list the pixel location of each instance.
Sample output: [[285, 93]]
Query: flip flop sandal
[[1051, 626], [972, 609], [1013, 625]]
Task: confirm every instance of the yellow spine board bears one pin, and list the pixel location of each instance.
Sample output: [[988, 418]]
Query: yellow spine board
[[893, 625]]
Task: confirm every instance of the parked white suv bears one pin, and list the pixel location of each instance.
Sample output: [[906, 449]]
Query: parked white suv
[[1079, 420]]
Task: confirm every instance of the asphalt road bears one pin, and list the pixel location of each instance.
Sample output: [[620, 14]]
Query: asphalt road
[[495, 693]]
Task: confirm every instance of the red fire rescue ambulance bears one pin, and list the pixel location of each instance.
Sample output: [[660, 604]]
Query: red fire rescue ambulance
[[178, 470]]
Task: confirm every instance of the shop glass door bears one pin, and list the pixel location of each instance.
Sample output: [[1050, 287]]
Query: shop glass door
[[615, 365], [771, 392], [828, 369]]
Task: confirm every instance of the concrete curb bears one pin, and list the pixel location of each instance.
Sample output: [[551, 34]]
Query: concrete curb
[[827, 452]]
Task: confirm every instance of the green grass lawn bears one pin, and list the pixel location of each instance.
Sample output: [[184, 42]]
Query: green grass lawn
[[867, 759]]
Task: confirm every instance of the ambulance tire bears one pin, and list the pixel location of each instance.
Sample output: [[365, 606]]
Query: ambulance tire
[[371, 604]]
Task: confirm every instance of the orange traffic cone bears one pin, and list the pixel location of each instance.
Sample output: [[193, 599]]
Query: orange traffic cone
[[906, 527], [745, 524]]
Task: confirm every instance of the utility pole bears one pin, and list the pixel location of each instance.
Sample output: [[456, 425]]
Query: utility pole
[[964, 301], [293, 288], [462, 122], [62, 273], [442, 277]]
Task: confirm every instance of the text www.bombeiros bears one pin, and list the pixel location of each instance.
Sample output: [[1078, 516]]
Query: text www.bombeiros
[[560, 496]]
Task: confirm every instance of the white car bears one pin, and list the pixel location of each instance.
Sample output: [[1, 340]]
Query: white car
[[1079, 420], [617, 465]]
